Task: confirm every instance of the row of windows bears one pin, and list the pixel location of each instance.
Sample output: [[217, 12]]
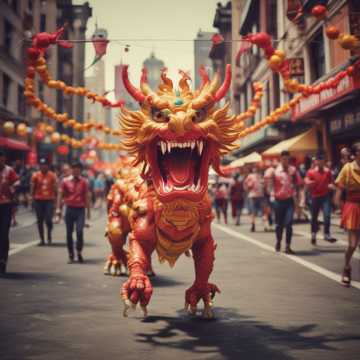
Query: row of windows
[[6, 93]]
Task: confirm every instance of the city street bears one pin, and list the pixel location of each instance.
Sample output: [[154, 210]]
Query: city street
[[272, 306]]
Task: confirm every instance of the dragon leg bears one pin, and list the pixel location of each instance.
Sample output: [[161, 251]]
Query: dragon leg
[[204, 256], [138, 288]]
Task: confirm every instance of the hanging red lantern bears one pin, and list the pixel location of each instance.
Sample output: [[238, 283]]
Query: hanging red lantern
[[39, 135], [319, 11], [62, 150], [332, 32]]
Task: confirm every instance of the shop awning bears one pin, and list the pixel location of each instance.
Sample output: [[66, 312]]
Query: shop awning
[[13, 144], [252, 158], [303, 143]]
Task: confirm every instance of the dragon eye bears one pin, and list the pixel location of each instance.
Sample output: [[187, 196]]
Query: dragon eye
[[199, 115], [160, 115]]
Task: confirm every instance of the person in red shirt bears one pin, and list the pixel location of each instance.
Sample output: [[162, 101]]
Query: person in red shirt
[[236, 196], [284, 181], [74, 192], [43, 191], [8, 179], [320, 183]]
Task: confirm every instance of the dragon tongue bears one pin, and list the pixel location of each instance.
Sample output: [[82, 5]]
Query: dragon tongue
[[180, 169]]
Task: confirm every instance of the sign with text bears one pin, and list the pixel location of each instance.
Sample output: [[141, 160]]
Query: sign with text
[[316, 101], [344, 122]]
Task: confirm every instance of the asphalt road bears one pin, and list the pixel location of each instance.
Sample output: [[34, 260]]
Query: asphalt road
[[272, 306]]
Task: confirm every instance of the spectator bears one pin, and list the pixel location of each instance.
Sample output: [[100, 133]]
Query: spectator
[[74, 192], [236, 196], [8, 179], [254, 185], [285, 181], [221, 199], [320, 183], [99, 189], [349, 180], [43, 190]]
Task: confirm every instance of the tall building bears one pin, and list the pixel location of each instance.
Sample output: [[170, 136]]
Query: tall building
[[71, 62], [153, 66], [202, 47], [19, 20], [221, 54]]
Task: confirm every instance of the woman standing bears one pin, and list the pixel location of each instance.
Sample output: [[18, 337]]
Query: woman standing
[[255, 186], [349, 180]]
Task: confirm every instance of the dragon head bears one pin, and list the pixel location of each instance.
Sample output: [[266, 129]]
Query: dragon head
[[179, 134]]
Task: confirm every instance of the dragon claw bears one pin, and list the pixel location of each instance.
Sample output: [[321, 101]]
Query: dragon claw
[[137, 289], [196, 293], [127, 307]]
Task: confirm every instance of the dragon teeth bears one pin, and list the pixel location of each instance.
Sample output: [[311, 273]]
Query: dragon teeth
[[169, 145], [163, 147], [200, 146]]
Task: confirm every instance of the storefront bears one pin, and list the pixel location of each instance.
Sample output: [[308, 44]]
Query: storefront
[[344, 127], [14, 149], [334, 113]]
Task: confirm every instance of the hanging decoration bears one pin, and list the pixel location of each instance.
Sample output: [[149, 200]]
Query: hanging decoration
[[100, 43]]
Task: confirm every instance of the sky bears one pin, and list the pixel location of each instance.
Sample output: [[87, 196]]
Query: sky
[[150, 20]]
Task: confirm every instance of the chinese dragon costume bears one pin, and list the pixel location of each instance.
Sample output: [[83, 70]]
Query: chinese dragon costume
[[176, 135]]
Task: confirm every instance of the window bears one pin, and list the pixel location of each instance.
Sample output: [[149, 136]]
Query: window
[[21, 101], [8, 29], [6, 89], [42, 23], [14, 5], [41, 91], [271, 23], [317, 56]]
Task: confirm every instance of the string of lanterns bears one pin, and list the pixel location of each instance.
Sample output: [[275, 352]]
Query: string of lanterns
[[48, 111]]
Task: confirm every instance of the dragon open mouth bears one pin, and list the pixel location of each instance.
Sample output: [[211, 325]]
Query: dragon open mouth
[[180, 168]]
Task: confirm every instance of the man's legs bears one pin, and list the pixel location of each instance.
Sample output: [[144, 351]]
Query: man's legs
[[316, 204], [279, 220], [80, 223], [49, 206], [5, 222], [40, 217], [288, 222], [69, 221], [327, 219]]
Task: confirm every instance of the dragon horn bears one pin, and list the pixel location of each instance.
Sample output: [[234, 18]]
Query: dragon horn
[[131, 89], [221, 92]]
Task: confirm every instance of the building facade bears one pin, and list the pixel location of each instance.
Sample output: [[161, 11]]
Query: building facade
[[313, 58], [19, 21], [153, 66]]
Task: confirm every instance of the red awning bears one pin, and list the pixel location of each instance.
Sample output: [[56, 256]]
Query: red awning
[[13, 144]]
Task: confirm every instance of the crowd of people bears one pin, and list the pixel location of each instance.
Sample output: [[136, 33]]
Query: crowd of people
[[46, 190], [279, 191], [274, 193]]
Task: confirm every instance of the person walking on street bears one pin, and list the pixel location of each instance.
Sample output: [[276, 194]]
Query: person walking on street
[[320, 183], [285, 181], [254, 185], [349, 181], [43, 190], [236, 196], [221, 200], [74, 192], [8, 180]]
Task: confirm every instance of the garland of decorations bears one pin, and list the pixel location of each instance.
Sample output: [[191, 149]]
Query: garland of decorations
[[48, 111]]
